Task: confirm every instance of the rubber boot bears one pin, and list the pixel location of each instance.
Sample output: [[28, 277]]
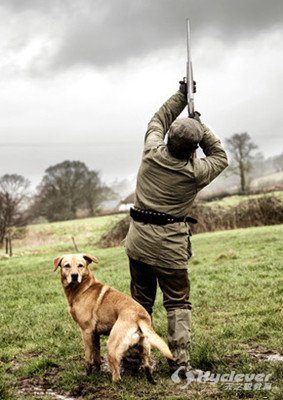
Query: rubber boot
[[179, 338]]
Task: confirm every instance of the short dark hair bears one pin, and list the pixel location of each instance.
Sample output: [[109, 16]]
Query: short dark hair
[[183, 137], [181, 152]]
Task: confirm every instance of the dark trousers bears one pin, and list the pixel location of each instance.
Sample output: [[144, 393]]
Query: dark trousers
[[174, 284]]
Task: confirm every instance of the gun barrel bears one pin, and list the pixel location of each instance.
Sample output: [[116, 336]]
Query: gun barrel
[[190, 80]]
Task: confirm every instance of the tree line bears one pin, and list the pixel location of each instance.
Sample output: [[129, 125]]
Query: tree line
[[71, 187], [66, 188]]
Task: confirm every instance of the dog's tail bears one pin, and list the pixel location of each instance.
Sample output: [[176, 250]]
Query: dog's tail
[[154, 339]]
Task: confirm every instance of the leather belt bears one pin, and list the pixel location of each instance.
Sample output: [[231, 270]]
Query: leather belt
[[157, 218]]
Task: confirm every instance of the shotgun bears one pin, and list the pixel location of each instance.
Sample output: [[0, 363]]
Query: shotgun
[[189, 78]]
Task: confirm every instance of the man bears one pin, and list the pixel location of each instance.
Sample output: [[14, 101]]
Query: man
[[158, 243]]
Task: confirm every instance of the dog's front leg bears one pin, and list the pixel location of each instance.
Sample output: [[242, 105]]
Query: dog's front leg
[[89, 349], [96, 350]]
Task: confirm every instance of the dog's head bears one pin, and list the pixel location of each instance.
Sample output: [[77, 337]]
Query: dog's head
[[74, 267]]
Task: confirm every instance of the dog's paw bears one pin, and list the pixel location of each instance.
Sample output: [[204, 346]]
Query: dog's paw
[[88, 369], [97, 366], [148, 374]]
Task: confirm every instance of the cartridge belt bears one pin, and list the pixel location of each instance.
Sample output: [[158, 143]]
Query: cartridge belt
[[154, 217]]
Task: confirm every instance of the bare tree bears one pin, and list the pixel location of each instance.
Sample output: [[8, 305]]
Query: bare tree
[[13, 193], [95, 192], [277, 162], [241, 147]]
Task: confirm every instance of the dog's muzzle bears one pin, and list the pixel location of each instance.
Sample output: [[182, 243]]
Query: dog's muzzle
[[75, 277]]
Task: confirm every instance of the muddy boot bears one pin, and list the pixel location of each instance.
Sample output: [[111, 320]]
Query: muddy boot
[[179, 340], [185, 372]]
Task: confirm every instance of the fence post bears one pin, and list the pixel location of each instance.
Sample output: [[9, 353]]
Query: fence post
[[7, 245], [10, 247], [75, 246]]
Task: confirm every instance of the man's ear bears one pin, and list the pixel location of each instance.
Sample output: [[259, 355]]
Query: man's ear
[[89, 258], [57, 262]]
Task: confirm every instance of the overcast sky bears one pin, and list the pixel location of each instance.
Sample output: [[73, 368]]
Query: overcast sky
[[80, 79]]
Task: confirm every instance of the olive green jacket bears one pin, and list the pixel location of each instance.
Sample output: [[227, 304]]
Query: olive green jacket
[[169, 185]]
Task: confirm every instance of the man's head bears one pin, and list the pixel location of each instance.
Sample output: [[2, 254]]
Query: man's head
[[183, 137]]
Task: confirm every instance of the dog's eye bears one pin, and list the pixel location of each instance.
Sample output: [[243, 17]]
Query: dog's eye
[[81, 265], [67, 266]]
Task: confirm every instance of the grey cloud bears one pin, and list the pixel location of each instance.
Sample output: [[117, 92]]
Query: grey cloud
[[44, 6], [108, 32], [113, 31]]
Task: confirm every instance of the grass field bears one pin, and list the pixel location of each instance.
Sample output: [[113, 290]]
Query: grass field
[[41, 238], [234, 200], [237, 292], [275, 178]]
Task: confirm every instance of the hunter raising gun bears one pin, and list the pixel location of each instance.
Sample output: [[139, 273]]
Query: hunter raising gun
[[158, 242]]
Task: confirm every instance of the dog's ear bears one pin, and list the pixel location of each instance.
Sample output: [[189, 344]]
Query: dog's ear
[[57, 262], [89, 258]]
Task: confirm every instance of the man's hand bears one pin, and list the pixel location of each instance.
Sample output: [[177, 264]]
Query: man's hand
[[197, 116], [183, 86], [183, 89]]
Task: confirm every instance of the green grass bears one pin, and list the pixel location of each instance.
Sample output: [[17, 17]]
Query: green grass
[[40, 238], [232, 201], [275, 178], [236, 291]]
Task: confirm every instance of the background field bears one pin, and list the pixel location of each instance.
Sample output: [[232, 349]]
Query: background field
[[237, 291], [42, 238], [234, 200]]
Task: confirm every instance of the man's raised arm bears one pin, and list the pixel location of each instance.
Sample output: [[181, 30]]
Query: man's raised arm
[[163, 118], [208, 168]]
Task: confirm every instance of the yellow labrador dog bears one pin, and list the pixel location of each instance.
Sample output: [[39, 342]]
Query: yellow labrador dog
[[101, 310]]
